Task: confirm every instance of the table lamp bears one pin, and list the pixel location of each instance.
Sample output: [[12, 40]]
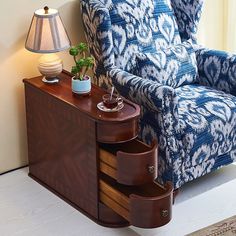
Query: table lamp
[[47, 35]]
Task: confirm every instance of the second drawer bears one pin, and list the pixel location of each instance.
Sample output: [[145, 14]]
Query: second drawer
[[130, 163]]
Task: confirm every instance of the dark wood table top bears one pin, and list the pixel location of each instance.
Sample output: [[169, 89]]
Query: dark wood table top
[[86, 104]]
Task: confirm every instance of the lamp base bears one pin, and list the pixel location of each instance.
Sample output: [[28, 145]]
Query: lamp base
[[50, 65], [50, 80]]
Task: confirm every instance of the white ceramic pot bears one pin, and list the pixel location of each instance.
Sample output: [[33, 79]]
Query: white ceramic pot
[[81, 86]]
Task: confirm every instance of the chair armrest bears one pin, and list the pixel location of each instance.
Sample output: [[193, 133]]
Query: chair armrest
[[217, 69], [144, 92], [162, 100]]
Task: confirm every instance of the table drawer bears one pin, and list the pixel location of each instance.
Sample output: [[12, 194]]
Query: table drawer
[[130, 163], [145, 206], [117, 132]]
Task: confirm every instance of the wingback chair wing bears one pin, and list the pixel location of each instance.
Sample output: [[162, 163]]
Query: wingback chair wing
[[148, 51]]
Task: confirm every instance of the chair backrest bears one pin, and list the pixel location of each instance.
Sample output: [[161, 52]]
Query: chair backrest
[[117, 29], [187, 14], [124, 27]]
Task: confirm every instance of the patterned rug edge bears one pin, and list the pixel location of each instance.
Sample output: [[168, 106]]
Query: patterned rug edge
[[225, 227]]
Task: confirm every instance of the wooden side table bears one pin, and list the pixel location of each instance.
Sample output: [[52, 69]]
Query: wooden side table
[[91, 158]]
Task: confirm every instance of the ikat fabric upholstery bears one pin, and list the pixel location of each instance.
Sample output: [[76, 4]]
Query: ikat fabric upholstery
[[207, 122], [195, 123], [121, 28], [217, 69], [174, 66], [140, 26], [188, 13]]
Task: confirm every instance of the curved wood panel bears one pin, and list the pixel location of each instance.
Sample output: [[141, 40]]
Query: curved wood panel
[[137, 168], [145, 206], [150, 212], [117, 132], [109, 218], [131, 163]]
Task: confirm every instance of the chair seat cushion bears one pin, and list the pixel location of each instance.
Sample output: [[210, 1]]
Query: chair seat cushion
[[174, 66], [207, 120]]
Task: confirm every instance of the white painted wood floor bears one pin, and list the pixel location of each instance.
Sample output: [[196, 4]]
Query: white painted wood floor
[[28, 209]]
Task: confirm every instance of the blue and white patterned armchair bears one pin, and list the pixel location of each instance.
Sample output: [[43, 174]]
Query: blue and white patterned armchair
[[148, 50]]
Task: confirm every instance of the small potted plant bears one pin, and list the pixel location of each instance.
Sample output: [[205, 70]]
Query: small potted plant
[[81, 82]]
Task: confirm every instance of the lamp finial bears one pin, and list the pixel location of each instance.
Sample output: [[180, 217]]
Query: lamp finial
[[46, 9]]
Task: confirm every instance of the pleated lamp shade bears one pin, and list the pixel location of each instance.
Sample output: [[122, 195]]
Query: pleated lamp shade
[[47, 33]]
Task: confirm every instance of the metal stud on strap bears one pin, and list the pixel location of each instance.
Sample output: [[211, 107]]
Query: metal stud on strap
[[151, 169], [164, 213]]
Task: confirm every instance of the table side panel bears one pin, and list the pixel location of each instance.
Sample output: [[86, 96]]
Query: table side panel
[[62, 148]]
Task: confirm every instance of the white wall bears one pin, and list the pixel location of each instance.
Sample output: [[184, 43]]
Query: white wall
[[211, 27], [217, 27], [17, 63], [230, 27]]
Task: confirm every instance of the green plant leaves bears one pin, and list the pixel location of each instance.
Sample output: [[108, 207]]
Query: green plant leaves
[[74, 51], [82, 62], [74, 70], [89, 62], [82, 47]]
